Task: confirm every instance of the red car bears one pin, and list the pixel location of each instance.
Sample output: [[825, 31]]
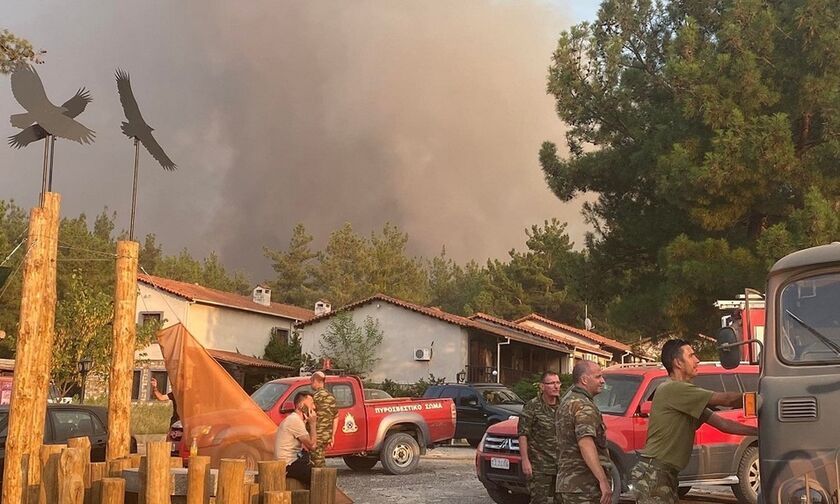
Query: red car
[[717, 459]]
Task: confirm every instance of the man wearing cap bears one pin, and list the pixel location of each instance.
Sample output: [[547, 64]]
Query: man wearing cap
[[327, 419]]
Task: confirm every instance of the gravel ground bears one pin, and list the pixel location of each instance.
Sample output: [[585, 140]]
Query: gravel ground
[[447, 475]]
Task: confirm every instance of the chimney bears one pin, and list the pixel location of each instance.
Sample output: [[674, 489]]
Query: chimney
[[262, 295], [322, 308]]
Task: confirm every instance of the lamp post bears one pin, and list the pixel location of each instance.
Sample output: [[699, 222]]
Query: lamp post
[[84, 369]]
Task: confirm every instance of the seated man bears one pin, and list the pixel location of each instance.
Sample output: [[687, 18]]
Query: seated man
[[293, 436]]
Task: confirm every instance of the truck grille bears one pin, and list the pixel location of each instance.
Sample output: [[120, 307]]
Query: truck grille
[[501, 444], [798, 409]]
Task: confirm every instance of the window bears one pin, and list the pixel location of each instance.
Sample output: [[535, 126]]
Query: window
[[268, 394], [135, 385], [749, 381], [162, 378], [618, 392], [75, 423], [146, 317], [466, 397], [343, 395], [709, 382], [730, 383], [280, 335], [809, 324]]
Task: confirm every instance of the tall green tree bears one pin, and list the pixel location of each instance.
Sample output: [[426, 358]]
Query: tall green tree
[[293, 283], [14, 50], [351, 347], [695, 121]]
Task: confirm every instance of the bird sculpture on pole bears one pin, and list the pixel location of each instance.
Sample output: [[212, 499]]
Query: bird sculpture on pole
[[43, 120], [136, 128]]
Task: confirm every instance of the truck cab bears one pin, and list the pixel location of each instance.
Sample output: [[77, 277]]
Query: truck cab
[[798, 388]]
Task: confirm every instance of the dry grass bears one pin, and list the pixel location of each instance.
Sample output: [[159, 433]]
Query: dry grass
[[146, 418]]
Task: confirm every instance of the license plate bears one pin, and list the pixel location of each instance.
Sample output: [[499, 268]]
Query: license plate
[[500, 463]]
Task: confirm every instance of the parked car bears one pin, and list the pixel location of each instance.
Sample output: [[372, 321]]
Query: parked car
[[394, 432], [717, 458], [372, 394], [479, 406], [65, 421]]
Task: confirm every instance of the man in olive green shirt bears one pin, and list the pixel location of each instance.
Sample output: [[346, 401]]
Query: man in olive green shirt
[[679, 409], [538, 440]]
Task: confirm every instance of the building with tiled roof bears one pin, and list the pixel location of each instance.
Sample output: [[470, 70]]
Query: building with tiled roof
[[235, 329], [420, 340]]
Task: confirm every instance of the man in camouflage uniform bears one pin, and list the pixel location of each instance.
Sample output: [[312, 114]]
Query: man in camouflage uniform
[[679, 408], [327, 419], [582, 441], [538, 440]]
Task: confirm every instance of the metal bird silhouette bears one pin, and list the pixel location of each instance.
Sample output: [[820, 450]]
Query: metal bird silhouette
[[73, 107], [29, 92], [136, 127]]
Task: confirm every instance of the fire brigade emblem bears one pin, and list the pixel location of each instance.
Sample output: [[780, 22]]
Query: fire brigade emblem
[[349, 424]]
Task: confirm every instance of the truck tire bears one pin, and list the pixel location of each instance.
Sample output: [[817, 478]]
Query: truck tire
[[502, 496], [360, 464], [746, 491], [400, 453]]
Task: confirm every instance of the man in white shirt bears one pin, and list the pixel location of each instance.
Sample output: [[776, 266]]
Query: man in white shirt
[[296, 432]]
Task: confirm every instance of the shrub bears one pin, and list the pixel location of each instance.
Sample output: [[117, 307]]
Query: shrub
[[528, 388]]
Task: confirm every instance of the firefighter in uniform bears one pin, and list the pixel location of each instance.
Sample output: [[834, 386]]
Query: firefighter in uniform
[[538, 440], [582, 441], [327, 411]]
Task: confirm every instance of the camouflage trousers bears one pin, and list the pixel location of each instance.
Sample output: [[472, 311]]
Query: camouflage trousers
[[577, 498], [541, 487], [316, 455], [654, 482]]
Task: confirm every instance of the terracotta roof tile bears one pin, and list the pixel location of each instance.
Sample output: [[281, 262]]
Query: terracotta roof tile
[[580, 332], [245, 360], [542, 334], [206, 295]]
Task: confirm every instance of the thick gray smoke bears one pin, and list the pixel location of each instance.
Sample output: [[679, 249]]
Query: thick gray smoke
[[425, 114]]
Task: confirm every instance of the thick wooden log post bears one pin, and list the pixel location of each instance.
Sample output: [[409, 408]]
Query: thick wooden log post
[[322, 490], [83, 443], [272, 475], [278, 497], [50, 456], [116, 467], [98, 471], [251, 493], [198, 480], [71, 477], [113, 491], [15, 476], [46, 332], [122, 357], [134, 460], [176, 462], [230, 480], [300, 496], [157, 473]]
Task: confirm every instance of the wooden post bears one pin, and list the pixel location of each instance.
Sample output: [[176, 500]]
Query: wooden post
[[15, 476], [83, 443], [115, 467], [113, 491], [272, 475], [50, 456], [230, 480], [300, 496], [198, 480], [322, 490], [251, 493], [278, 497], [46, 333], [97, 473], [71, 477], [134, 460], [122, 357], [176, 462], [157, 473]]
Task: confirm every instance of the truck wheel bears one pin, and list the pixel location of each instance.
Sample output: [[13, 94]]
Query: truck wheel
[[357, 463], [400, 453], [746, 491], [474, 442], [683, 491], [502, 496]]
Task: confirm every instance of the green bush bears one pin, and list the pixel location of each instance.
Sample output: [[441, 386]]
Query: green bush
[[528, 388], [416, 389]]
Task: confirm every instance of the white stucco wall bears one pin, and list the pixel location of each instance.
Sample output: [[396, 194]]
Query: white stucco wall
[[403, 332], [214, 327]]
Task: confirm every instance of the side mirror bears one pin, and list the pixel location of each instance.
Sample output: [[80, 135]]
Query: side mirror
[[287, 407], [644, 409], [729, 348]]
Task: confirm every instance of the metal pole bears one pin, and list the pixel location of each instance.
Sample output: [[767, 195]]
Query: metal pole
[[134, 190], [46, 168], [52, 155], [82, 393]]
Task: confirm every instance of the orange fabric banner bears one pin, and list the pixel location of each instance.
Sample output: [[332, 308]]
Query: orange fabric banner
[[223, 419]]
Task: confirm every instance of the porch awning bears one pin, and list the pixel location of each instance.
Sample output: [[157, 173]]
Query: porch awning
[[521, 336], [246, 361]]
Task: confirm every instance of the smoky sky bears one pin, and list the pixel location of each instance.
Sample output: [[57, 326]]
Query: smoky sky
[[428, 115]]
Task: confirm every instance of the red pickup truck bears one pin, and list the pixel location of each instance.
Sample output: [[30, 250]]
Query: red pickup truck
[[392, 431], [717, 458]]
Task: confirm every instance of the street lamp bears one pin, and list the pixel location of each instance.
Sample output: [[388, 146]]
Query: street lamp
[[84, 369]]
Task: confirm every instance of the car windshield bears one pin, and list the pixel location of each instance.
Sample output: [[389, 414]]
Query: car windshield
[[267, 395], [618, 392], [809, 320], [501, 396]]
